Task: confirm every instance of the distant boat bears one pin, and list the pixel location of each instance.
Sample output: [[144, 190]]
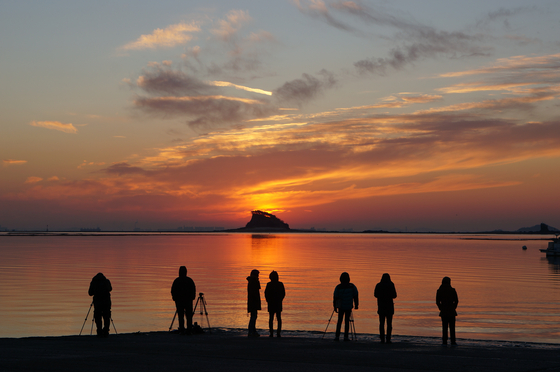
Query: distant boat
[[553, 248], [524, 247]]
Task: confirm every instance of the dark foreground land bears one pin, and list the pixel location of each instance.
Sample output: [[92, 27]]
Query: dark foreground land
[[233, 351]]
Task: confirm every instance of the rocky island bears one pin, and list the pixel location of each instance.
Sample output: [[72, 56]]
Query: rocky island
[[263, 221]]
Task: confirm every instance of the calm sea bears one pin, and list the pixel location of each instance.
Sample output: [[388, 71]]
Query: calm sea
[[505, 293]]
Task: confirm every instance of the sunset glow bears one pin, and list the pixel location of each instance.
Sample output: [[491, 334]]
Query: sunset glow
[[329, 114]]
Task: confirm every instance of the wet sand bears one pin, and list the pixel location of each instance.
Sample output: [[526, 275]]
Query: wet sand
[[231, 350]]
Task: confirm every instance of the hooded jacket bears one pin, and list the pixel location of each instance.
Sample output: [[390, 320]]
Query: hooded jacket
[[345, 294], [100, 288], [274, 294], [183, 289], [253, 294]]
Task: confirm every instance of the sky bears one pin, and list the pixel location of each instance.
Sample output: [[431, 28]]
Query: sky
[[397, 115]]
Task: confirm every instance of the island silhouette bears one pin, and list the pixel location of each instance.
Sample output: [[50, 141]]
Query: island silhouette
[[263, 221]]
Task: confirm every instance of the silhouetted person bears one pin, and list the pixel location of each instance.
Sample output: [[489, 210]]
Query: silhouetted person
[[253, 301], [447, 300], [183, 292], [100, 288], [385, 292], [274, 294], [345, 296]]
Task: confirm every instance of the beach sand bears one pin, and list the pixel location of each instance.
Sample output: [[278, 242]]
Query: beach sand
[[232, 350]]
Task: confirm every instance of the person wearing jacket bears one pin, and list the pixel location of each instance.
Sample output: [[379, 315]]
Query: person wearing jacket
[[100, 288], [344, 297], [253, 301], [385, 292], [274, 295], [183, 292], [447, 300]]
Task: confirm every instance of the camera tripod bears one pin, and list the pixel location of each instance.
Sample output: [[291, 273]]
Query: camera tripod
[[352, 326], [200, 300], [92, 321]]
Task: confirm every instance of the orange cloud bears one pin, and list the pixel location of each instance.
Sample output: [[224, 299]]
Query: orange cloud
[[55, 125], [205, 98], [479, 87], [517, 63], [33, 179], [291, 166], [168, 37], [495, 104], [309, 198], [8, 162], [86, 163]]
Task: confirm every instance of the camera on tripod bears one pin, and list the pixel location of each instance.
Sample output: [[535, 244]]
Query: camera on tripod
[[197, 328]]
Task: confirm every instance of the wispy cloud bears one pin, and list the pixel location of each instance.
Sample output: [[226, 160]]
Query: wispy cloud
[[228, 84], [85, 163], [230, 48], [520, 82], [33, 179], [528, 65], [230, 26], [168, 37], [7, 162], [55, 125], [207, 111], [175, 93], [161, 79], [415, 41], [502, 14], [306, 164], [319, 9], [306, 88]]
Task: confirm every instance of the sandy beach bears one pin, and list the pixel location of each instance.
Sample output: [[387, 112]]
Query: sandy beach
[[232, 350]]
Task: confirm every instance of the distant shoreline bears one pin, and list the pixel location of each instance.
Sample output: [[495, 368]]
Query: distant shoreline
[[526, 235]]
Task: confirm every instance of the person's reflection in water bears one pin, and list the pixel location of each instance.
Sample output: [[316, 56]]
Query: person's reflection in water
[[100, 288], [253, 301], [274, 294], [447, 300], [344, 297], [385, 292], [183, 292]]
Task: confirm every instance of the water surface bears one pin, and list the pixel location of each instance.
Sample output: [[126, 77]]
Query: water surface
[[505, 293]]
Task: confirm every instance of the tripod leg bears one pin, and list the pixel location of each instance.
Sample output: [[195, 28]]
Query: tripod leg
[[328, 324], [206, 312], [85, 319], [353, 327], [195, 305], [173, 321], [114, 326], [91, 331]]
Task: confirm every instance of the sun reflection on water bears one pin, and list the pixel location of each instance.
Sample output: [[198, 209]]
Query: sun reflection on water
[[504, 292]]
